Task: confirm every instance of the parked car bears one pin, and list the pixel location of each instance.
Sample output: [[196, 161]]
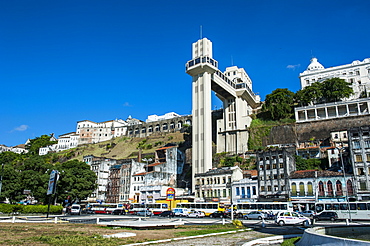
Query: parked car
[[144, 212], [291, 218], [181, 211], [308, 213], [218, 214], [196, 214], [75, 209], [326, 216], [255, 215], [167, 214], [119, 211]]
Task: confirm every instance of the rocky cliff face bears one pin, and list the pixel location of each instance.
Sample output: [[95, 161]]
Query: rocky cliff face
[[302, 132]]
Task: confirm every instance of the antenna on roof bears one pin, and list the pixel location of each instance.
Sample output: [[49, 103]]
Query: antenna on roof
[[201, 34], [232, 61]]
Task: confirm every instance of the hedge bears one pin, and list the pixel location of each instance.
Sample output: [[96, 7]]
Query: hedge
[[29, 209]]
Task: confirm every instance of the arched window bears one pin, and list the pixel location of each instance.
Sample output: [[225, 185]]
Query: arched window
[[179, 124], [301, 189], [294, 189], [338, 186], [330, 188], [349, 188], [157, 128], [172, 125], [309, 189], [321, 189], [165, 127]]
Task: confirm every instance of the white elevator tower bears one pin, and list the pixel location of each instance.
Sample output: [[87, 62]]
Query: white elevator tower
[[234, 88]]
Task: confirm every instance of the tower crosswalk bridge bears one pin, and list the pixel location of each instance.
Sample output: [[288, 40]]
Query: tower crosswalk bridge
[[234, 88]]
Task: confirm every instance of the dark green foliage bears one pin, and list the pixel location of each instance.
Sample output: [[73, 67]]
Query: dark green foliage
[[76, 180], [309, 164], [32, 172], [223, 159], [37, 143], [331, 90], [29, 209], [290, 241], [280, 104], [335, 89]]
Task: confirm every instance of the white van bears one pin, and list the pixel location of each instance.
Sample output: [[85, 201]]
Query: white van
[[181, 211], [75, 209]]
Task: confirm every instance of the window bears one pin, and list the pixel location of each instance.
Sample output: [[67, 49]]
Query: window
[[367, 143], [281, 165], [362, 185], [321, 189], [309, 189], [367, 157], [301, 189], [294, 189], [358, 158], [237, 191], [356, 144], [360, 171], [339, 188], [349, 188], [330, 188]]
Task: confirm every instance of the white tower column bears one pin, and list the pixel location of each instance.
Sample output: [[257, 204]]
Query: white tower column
[[201, 68]]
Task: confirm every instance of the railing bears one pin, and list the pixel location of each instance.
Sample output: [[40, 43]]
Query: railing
[[206, 59]]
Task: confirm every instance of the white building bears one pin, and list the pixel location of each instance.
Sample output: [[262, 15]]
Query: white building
[[67, 141], [162, 174], [100, 166], [245, 190], [216, 184], [356, 73], [19, 149], [167, 116], [95, 132]]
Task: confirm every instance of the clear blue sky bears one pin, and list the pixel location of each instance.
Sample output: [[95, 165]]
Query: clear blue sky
[[66, 61]]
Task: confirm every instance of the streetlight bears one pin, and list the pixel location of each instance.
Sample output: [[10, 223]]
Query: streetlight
[[186, 186], [146, 182], [345, 182]]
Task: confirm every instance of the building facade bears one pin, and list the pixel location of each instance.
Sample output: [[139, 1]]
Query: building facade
[[215, 185], [356, 73], [274, 167], [359, 146]]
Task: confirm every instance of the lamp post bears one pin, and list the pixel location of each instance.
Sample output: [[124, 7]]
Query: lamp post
[[186, 186], [345, 182], [146, 183]]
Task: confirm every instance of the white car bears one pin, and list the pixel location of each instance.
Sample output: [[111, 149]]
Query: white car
[[196, 214], [291, 218], [309, 213]]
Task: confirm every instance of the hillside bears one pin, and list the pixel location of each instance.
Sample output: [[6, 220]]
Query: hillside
[[123, 147]]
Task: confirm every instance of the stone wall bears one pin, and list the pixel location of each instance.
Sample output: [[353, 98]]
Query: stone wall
[[302, 132]]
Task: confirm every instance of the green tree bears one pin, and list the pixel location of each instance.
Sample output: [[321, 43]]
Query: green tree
[[35, 144], [280, 104], [310, 94], [308, 164], [76, 180], [335, 89]]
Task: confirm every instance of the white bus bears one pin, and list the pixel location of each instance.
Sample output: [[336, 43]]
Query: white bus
[[268, 207], [346, 210], [103, 208], [156, 208], [205, 207]]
